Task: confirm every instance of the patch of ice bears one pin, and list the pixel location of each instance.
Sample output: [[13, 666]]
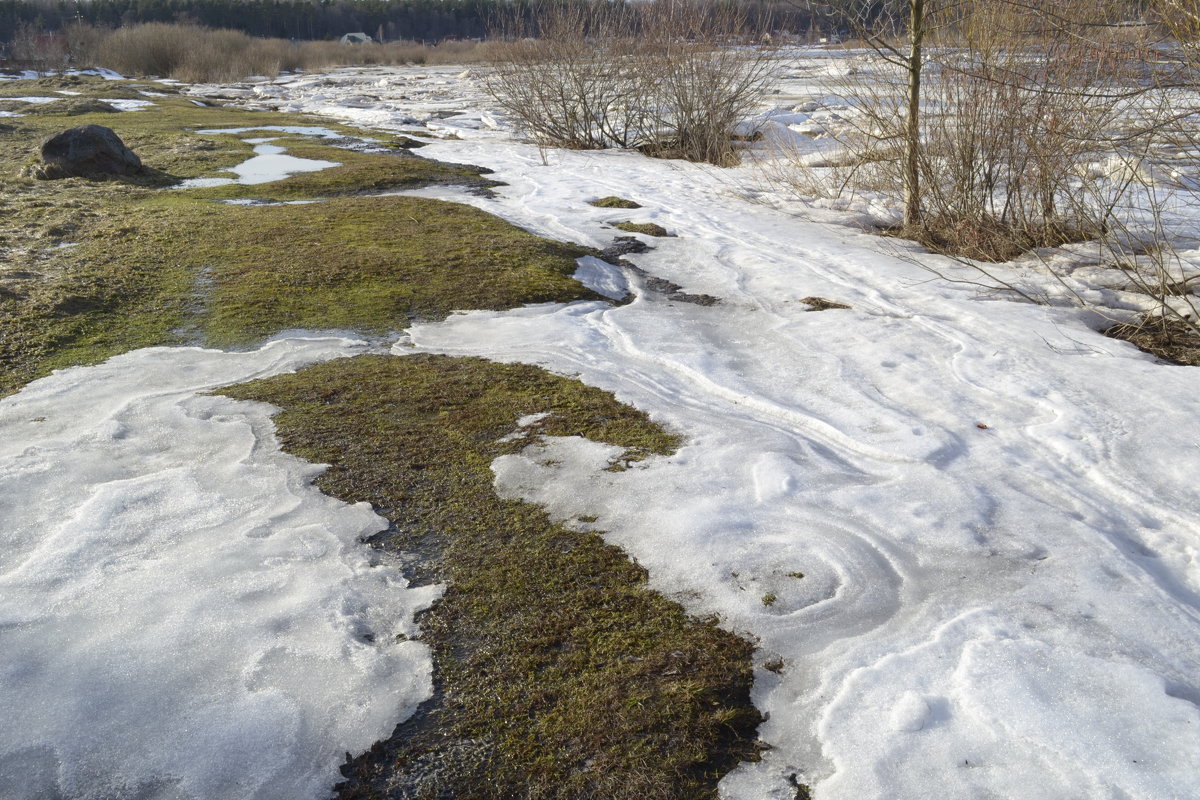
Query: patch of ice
[[271, 163], [130, 105], [602, 277]]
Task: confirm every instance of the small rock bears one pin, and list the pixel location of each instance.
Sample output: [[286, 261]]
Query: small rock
[[89, 151]]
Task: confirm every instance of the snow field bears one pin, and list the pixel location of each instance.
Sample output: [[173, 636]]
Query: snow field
[[992, 505]]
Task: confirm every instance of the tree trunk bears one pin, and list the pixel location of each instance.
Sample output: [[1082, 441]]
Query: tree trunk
[[912, 135]]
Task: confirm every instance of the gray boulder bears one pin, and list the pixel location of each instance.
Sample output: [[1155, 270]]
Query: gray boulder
[[89, 151]]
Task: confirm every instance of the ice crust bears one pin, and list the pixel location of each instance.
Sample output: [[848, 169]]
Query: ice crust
[[182, 614]]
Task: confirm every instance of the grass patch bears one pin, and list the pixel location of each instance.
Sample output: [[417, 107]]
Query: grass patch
[[358, 173], [612, 201], [92, 269], [559, 674], [645, 228]]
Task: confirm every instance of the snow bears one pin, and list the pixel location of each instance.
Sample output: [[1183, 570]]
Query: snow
[[967, 526], [269, 163], [182, 614], [130, 105]]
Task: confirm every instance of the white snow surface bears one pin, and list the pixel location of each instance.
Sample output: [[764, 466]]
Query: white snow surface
[[269, 163], [993, 507], [967, 527], [182, 614]]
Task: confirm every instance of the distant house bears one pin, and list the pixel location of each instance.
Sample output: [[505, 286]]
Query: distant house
[[357, 38]]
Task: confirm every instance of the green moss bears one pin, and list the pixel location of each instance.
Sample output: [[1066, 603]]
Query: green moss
[[149, 264], [612, 201], [645, 228], [165, 270], [560, 675]]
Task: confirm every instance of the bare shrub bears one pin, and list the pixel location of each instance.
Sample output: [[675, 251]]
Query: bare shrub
[[202, 55], [225, 55], [569, 78], [84, 43], [663, 76], [1012, 99], [150, 49]]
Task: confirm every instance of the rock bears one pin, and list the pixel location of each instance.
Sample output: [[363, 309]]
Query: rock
[[89, 151]]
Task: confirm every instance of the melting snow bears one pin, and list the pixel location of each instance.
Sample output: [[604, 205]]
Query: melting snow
[[270, 163], [182, 614], [130, 105], [977, 518]]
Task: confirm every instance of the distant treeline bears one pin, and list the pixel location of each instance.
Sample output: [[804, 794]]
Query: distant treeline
[[422, 20]]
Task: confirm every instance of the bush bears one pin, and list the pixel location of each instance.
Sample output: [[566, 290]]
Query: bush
[[1014, 103], [659, 76], [197, 54]]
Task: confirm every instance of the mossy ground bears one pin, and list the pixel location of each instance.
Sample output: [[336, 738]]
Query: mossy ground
[[91, 269], [612, 201], [560, 675], [644, 228]]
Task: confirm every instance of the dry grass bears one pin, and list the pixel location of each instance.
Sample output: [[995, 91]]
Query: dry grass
[[1173, 341], [197, 54]]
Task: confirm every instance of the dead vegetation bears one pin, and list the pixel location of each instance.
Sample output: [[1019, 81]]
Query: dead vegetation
[[658, 76]]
